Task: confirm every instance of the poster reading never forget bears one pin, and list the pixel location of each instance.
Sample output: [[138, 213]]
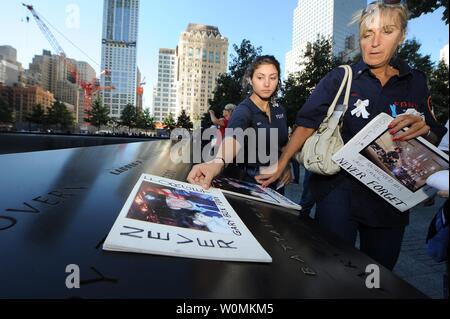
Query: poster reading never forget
[[396, 171]]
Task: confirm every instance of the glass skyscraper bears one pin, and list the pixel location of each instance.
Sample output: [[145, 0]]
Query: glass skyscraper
[[119, 47], [328, 18]]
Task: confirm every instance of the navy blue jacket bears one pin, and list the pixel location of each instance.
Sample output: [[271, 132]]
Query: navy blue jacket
[[407, 90], [248, 115]]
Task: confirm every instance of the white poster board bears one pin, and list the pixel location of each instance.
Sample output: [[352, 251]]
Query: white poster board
[[253, 191], [168, 217], [395, 170]]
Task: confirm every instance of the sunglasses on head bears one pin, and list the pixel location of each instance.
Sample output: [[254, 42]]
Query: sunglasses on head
[[391, 2], [388, 2]]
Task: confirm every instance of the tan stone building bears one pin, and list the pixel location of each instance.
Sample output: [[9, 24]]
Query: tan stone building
[[202, 56], [24, 98]]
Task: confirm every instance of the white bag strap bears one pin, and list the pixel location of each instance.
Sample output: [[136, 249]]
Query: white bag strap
[[349, 85], [346, 80]]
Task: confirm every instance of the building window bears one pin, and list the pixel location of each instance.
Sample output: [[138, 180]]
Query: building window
[[350, 42], [197, 53]]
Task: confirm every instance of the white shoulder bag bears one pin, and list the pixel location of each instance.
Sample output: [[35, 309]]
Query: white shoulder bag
[[320, 147]]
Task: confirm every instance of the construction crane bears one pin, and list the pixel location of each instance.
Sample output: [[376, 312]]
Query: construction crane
[[89, 88], [140, 88], [71, 69]]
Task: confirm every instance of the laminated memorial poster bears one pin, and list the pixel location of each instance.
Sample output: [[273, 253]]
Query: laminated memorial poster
[[253, 191], [167, 217], [395, 170]]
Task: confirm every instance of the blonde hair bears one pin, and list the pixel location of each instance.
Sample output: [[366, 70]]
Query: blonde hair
[[389, 14]]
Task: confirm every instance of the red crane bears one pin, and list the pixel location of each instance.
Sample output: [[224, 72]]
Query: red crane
[[89, 88], [140, 88]]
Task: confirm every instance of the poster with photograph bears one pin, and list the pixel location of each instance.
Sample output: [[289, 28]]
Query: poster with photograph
[[168, 217], [395, 170], [253, 191]]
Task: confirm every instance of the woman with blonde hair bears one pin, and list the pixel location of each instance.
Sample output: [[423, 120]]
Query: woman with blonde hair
[[381, 83]]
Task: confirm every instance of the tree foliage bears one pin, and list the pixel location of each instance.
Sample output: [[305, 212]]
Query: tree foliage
[[169, 122], [315, 63], [245, 54], [145, 121], [437, 76], [228, 90], [37, 115], [206, 120], [230, 86], [409, 52], [6, 113], [419, 7], [128, 117], [184, 121], [98, 115], [439, 90], [59, 116]]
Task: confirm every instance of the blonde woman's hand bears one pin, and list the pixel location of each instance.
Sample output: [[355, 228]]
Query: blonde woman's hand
[[267, 178], [416, 127]]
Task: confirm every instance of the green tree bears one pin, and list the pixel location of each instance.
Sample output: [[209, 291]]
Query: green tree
[[140, 121], [128, 117], [245, 54], [98, 115], [149, 121], [169, 122], [437, 76], [419, 7], [317, 61], [409, 52], [6, 113], [37, 115], [58, 115], [230, 86], [293, 97], [184, 121], [228, 90], [145, 121], [439, 87], [205, 120]]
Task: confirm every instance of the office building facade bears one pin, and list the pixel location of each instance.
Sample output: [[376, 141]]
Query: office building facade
[[165, 92], [119, 48], [328, 18]]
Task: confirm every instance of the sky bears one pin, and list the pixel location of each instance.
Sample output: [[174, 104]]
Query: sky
[[266, 23]]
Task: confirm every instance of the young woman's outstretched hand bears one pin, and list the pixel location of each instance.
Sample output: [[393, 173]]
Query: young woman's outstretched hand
[[203, 174]]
